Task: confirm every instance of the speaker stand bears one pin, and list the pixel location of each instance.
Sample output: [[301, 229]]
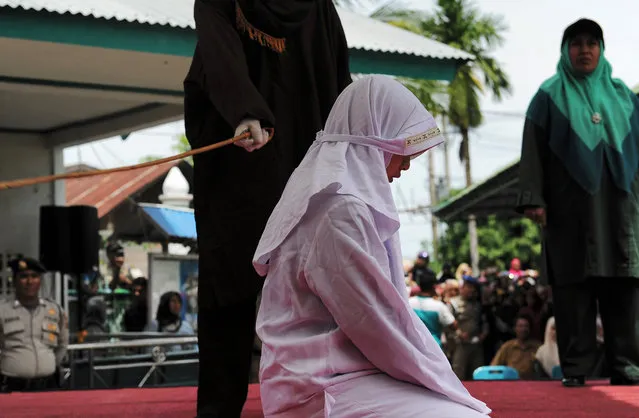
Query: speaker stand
[[79, 284]]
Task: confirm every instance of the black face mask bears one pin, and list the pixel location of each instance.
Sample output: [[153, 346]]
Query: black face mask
[[278, 18]]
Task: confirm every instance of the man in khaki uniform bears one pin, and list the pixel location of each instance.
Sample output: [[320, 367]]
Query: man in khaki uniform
[[472, 329], [33, 333]]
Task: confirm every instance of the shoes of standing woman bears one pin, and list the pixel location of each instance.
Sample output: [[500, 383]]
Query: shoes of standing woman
[[573, 382], [579, 381], [623, 381]]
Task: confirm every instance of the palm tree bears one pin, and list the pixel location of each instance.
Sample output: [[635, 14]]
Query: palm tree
[[429, 92], [460, 24]]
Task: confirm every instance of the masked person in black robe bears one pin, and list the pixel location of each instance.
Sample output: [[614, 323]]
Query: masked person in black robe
[[257, 64]]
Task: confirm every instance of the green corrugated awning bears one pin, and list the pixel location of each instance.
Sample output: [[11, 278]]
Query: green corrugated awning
[[168, 28]]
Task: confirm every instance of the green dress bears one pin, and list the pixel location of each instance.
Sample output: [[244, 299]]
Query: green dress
[[586, 235]]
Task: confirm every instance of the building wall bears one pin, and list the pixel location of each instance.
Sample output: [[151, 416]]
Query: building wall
[[26, 156]]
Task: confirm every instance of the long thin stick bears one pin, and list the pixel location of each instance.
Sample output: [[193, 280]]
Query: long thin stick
[[14, 184]]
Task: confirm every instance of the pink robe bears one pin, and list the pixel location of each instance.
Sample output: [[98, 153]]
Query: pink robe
[[339, 339]]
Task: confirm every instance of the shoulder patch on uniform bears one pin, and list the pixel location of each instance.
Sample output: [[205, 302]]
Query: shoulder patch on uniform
[[55, 304]]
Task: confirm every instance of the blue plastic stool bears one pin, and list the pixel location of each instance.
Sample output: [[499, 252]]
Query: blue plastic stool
[[557, 373], [495, 373]]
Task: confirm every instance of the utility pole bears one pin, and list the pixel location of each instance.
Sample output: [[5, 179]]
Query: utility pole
[[472, 220], [474, 244], [446, 159], [433, 201]]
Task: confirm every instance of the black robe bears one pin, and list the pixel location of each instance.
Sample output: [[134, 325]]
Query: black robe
[[287, 79]]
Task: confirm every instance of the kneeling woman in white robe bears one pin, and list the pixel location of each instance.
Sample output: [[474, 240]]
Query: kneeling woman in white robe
[[339, 338]]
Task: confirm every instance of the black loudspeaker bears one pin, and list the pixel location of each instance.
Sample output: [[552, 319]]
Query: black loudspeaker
[[69, 238], [84, 238], [54, 238]]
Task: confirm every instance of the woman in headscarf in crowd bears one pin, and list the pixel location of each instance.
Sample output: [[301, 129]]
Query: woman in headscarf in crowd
[[548, 354], [168, 318], [412, 288], [450, 291], [446, 273], [136, 316], [578, 180], [515, 268], [94, 322], [463, 270], [535, 311], [339, 337]]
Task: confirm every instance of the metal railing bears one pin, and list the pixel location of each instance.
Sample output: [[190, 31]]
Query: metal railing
[[130, 335], [158, 355]]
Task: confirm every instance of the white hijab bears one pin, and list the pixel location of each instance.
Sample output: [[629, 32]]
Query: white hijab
[[548, 353], [374, 118]]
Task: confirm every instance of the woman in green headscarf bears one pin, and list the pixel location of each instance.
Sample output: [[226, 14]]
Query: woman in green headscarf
[[578, 180]]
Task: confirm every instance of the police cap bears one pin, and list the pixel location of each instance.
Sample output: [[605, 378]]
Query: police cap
[[21, 264]]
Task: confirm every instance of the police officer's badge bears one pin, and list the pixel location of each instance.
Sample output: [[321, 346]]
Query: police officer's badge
[[22, 265]]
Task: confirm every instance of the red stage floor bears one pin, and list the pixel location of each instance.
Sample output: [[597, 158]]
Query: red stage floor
[[507, 399]]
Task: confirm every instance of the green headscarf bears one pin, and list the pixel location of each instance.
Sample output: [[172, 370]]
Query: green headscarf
[[589, 118]]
